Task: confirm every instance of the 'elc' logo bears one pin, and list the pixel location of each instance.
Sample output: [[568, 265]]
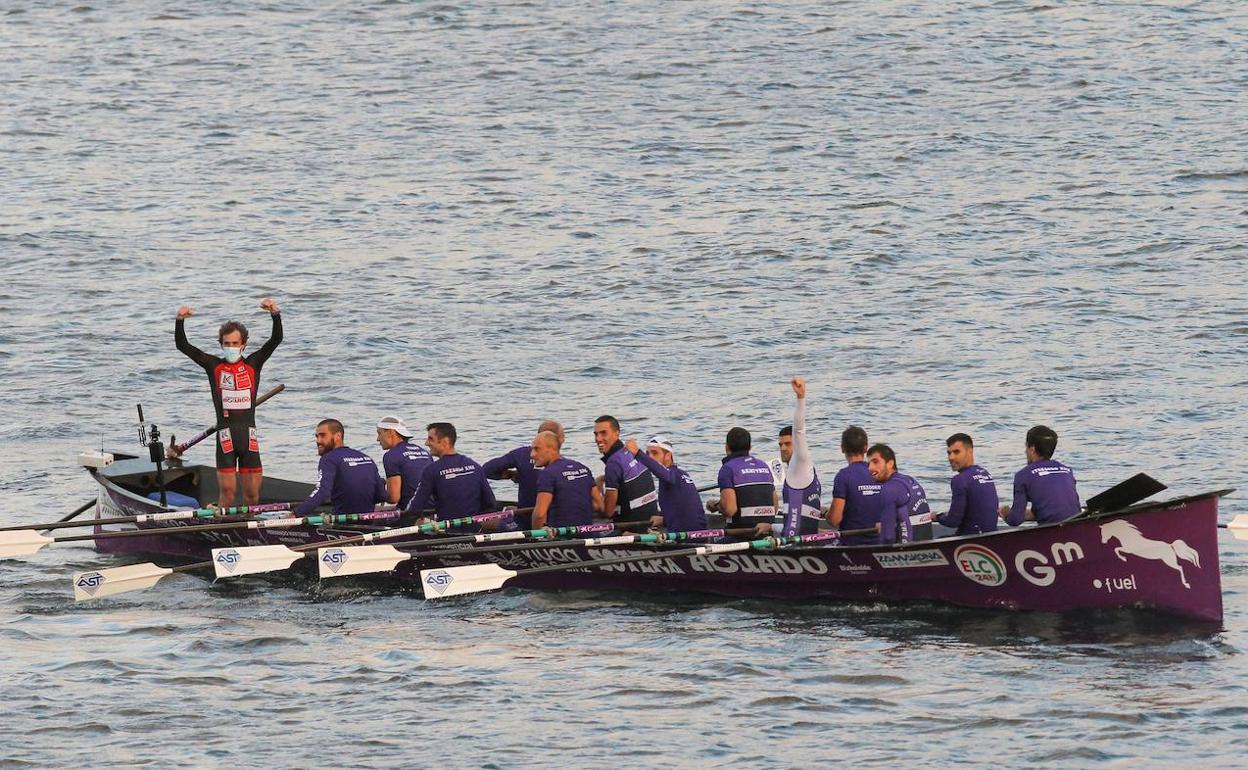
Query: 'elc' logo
[[980, 564]]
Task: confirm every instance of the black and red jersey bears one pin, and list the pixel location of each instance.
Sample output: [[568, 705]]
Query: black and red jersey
[[234, 386]]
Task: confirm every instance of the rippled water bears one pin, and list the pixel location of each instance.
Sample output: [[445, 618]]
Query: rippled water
[[948, 216]]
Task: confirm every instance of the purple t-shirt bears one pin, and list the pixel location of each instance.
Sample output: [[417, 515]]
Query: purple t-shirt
[[861, 494], [678, 496], [1050, 488], [519, 459], [457, 487], [638, 500], [754, 485], [570, 482], [407, 461], [895, 505], [974, 502], [347, 479]]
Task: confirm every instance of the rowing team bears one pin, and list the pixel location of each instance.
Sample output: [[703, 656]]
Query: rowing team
[[645, 484]]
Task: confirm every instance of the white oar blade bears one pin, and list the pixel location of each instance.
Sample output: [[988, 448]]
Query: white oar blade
[[453, 581], [250, 560], [106, 582], [1239, 526], [359, 560], [21, 542]]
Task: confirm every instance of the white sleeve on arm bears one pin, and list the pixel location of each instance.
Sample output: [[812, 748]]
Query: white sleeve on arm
[[801, 470]]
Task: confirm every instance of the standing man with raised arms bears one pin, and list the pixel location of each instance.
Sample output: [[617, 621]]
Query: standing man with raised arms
[[802, 509], [235, 380]]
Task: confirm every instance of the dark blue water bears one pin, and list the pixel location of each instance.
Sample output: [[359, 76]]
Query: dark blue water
[[946, 216]]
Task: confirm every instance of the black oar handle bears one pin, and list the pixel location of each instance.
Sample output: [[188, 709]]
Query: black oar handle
[[178, 449]]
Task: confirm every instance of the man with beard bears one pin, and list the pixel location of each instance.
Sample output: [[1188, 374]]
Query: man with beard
[[973, 508], [903, 502], [780, 465], [346, 478], [626, 483]]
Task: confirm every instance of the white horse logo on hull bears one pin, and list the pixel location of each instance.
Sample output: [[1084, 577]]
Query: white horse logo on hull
[[1131, 541]]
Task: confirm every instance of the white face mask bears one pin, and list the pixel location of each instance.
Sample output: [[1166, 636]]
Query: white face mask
[[233, 355]]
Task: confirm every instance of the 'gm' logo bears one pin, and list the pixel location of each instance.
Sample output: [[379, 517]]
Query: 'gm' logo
[[980, 564], [439, 581], [228, 559], [90, 582], [334, 558]]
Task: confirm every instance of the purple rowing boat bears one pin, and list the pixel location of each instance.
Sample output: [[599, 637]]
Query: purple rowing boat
[[1161, 556]]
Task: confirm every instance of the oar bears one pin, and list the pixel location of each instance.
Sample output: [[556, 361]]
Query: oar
[[366, 559], [27, 542], [251, 560], [176, 450], [1124, 494], [175, 515], [452, 581], [1237, 526], [136, 577], [76, 512]]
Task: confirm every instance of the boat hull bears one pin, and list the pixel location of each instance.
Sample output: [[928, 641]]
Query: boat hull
[[1159, 556]]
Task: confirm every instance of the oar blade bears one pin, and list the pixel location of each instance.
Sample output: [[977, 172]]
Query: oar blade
[[107, 582], [1125, 494], [359, 560], [454, 581], [1239, 526], [21, 542], [251, 560]]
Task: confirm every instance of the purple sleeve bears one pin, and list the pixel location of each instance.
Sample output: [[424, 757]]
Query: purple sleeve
[[957, 506], [840, 485], [326, 472], [390, 462], [1019, 509], [494, 468], [894, 514], [424, 489], [546, 480], [725, 477], [660, 471], [613, 477], [380, 493], [487, 495]]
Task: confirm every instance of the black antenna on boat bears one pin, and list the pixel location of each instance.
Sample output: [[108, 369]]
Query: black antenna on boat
[[156, 451]]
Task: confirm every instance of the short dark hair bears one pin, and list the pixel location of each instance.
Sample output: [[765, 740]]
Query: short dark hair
[[883, 450], [333, 425], [615, 424], [231, 326], [738, 440], [962, 437], [854, 440], [1043, 439], [786, 431], [443, 430]]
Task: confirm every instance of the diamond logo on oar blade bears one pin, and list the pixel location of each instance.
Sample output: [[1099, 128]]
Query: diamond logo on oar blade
[[90, 582], [439, 581], [228, 559], [334, 558]]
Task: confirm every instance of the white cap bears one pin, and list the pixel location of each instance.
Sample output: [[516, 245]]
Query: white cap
[[660, 441], [395, 424]]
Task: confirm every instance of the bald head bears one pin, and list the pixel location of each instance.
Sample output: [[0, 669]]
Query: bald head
[[550, 426], [545, 448]]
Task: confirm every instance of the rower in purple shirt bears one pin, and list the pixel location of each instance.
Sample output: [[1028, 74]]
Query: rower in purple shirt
[[518, 466], [403, 461], [902, 500], [346, 478], [855, 494], [454, 484], [566, 493], [1044, 482], [747, 490], [679, 501], [974, 503], [802, 509], [626, 483]]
